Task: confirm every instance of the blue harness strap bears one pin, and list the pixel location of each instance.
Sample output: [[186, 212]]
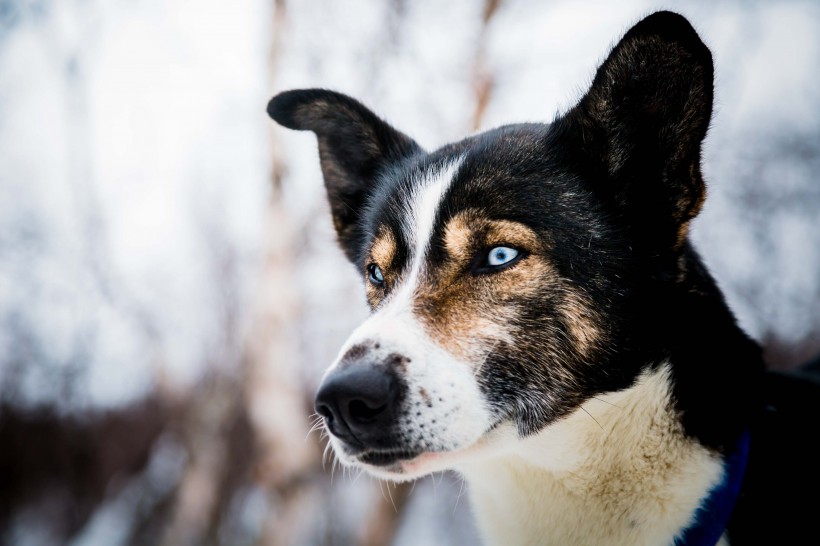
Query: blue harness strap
[[712, 515]]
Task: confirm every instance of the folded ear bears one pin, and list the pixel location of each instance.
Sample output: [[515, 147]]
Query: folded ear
[[641, 125], [355, 147]]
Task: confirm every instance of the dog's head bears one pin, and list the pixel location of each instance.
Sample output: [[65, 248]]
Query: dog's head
[[509, 274]]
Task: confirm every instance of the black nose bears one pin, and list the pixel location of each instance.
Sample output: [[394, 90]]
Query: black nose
[[357, 402]]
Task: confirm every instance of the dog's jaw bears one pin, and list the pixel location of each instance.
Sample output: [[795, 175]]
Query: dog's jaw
[[491, 445], [428, 462]]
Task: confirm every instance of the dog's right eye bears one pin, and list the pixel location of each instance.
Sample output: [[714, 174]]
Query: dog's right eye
[[495, 259], [501, 255], [375, 275]]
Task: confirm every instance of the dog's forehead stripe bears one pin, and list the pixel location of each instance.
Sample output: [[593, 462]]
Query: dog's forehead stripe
[[420, 214]]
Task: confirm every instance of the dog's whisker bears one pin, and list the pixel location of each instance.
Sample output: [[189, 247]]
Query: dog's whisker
[[381, 489], [435, 484], [458, 497], [591, 417], [333, 466], [328, 448], [316, 426], [606, 402], [359, 475], [389, 494]]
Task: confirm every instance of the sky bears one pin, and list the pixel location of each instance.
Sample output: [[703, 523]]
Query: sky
[[136, 156], [136, 160]]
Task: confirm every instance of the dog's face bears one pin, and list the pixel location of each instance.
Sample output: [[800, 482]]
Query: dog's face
[[509, 273]]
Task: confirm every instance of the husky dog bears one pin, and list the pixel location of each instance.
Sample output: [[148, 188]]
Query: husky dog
[[542, 325]]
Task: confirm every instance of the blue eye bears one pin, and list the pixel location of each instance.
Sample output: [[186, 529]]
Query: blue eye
[[501, 255], [375, 275]]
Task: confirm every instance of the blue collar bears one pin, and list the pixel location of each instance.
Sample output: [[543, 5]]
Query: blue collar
[[712, 515]]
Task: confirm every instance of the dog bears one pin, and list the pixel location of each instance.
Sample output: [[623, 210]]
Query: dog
[[542, 324]]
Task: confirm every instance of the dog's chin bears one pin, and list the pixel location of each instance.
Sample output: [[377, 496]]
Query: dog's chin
[[401, 465], [393, 465], [403, 468]]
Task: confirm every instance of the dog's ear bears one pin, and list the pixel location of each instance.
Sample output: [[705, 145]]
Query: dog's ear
[[641, 125], [355, 147]]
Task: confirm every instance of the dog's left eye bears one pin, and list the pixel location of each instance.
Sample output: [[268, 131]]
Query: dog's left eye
[[501, 255], [375, 275]]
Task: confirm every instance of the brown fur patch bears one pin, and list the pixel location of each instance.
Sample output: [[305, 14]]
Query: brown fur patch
[[384, 248], [581, 320], [397, 362], [426, 397], [357, 352]]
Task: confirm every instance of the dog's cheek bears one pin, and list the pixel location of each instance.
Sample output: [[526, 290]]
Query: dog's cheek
[[554, 306], [464, 323], [540, 372], [523, 332], [527, 388]]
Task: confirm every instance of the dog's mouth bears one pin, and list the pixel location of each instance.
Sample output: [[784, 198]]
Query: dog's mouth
[[386, 457], [401, 459]]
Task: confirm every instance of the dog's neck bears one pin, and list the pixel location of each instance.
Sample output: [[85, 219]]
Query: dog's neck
[[617, 471]]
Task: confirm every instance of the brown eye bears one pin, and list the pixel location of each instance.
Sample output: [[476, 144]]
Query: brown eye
[[375, 275]]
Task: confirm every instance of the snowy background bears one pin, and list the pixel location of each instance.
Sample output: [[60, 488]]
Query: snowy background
[[170, 290]]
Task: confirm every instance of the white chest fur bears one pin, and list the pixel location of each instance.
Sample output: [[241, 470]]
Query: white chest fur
[[617, 471]]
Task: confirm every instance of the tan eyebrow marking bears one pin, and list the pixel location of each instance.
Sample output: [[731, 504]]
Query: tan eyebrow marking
[[504, 231], [463, 230], [384, 247], [457, 235]]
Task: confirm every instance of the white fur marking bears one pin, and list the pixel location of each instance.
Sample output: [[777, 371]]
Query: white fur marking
[[631, 478], [420, 219]]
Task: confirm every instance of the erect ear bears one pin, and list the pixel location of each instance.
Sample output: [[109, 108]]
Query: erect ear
[[355, 147], [641, 125]]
